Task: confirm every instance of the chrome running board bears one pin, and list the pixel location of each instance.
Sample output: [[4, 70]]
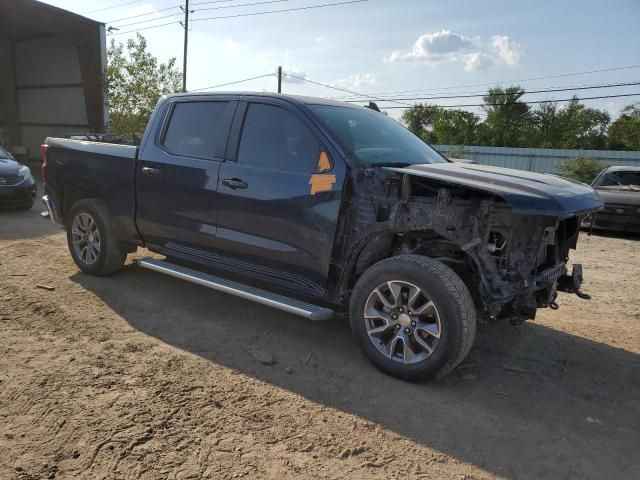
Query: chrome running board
[[303, 309]]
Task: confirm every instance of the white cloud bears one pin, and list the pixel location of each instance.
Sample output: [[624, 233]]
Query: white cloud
[[356, 80], [320, 39], [434, 47], [472, 54], [506, 50], [296, 72], [477, 61]]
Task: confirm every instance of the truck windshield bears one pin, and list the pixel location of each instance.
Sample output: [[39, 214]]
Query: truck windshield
[[375, 139]]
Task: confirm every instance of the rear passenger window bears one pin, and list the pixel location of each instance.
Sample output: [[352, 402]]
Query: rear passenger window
[[195, 128], [274, 138]]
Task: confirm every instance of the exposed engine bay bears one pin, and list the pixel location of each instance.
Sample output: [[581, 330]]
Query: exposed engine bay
[[513, 263]]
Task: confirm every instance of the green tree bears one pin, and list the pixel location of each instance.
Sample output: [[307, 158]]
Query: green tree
[[135, 81], [583, 127], [440, 125], [547, 126], [624, 133], [508, 122], [455, 127], [511, 123], [420, 119], [584, 170]]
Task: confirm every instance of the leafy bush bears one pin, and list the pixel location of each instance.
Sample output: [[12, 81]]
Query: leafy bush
[[582, 169]]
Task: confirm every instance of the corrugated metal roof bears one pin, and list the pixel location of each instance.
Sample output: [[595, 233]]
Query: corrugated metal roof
[[23, 19]]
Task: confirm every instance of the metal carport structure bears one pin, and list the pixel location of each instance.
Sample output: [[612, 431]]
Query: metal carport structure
[[51, 74]]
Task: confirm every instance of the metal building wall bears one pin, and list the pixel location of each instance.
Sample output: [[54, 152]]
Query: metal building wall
[[50, 92], [8, 103], [543, 160]]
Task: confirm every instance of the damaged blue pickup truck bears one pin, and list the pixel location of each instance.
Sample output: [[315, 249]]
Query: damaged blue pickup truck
[[318, 207]]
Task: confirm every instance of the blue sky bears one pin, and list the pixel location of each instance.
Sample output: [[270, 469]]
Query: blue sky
[[440, 47]]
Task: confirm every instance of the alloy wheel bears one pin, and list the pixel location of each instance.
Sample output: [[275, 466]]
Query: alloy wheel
[[86, 238], [402, 322]]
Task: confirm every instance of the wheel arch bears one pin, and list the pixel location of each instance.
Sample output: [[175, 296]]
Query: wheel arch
[[427, 243], [76, 190]]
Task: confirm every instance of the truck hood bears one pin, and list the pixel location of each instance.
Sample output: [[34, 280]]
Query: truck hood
[[9, 167], [619, 196], [526, 192]]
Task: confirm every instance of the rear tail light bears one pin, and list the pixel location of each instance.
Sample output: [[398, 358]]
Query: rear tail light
[[43, 153]]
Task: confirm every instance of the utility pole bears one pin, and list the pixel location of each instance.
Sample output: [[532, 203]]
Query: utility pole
[[185, 25], [279, 79]]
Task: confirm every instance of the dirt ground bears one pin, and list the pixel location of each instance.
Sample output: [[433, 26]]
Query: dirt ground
[[141, 375]]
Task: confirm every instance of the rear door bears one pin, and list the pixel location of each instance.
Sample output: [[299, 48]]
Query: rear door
[[279, 196], [177, 175]]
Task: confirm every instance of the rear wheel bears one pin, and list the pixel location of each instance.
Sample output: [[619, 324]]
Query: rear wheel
[[91, 239], [413, 317]]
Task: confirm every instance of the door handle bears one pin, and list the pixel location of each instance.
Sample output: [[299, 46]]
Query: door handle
[[234, 183], [150, 172]]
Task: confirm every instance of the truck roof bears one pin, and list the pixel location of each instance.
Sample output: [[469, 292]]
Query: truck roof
[[300, 99]]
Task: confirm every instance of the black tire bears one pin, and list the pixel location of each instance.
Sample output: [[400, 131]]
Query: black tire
[[449, 294], [111, 256]]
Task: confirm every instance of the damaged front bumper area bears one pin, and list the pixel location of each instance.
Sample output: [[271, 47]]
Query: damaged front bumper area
[[544, 293], [506, 233], [522, 263]]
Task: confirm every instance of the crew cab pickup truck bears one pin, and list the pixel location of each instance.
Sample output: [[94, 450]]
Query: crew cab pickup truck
[[318, 207]]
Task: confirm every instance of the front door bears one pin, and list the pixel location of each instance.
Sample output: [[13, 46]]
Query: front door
[[177, 176], [279, 196]]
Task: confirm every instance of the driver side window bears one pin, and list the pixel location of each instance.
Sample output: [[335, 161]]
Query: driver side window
[[273, 138]]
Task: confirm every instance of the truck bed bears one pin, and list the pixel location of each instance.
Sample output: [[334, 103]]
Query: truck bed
[[76, 167]]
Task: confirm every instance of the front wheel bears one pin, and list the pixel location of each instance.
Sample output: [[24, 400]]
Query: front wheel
[[92, 241], [413, 317]]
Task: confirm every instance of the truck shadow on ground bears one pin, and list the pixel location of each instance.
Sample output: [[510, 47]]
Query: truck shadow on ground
[[531, 401]]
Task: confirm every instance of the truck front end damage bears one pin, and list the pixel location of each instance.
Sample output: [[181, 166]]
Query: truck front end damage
[[506, 233]]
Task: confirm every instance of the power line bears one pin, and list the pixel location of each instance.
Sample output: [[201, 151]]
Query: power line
[[611, 69], [211, 2], [233, 83], [525, 92], [479, 93], [144, 15], [530, 102], [176, 22], [368, 97], [124, 4], [346, 98], [241, 5], [309, 7], [173, 15], [325, 85]]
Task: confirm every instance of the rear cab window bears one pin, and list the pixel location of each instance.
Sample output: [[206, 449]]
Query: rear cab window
[[274, 138], [196, 128]]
